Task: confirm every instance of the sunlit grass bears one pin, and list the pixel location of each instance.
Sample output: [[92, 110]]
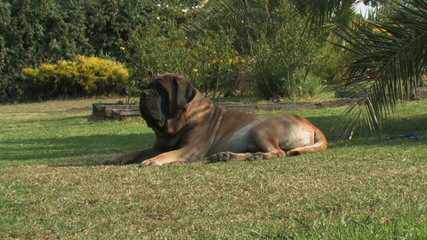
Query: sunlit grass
[[369, 188]]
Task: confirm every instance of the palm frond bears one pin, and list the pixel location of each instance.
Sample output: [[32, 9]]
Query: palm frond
[[389, 57], [323, 11]]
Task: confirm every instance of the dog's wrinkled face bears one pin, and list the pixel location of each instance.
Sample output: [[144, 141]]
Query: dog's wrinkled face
[[153, 108], [164, 103]]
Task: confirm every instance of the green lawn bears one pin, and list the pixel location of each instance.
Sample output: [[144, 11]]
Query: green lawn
[[369, 188]]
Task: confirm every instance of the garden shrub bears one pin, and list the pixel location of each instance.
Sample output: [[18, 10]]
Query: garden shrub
[[80, 76], [217, 47], [282, 63], [210, 62], [272, 78], [279, 56], [37, 32], [329, 63], [158, 49], [310, 85]]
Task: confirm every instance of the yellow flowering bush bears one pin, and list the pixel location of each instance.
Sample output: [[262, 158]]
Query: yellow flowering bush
[[80, 76]]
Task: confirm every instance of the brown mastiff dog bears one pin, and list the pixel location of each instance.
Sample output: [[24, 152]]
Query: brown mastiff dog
[[189, 127]]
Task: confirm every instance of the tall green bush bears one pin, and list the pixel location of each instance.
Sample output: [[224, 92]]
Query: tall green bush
[[284, 56], [209, 61], [219, 66]]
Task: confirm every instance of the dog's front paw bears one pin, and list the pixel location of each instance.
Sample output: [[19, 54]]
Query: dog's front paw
[[152, 162]]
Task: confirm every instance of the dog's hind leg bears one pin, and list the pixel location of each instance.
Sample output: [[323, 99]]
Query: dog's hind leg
[[320, 144], [230, 156]]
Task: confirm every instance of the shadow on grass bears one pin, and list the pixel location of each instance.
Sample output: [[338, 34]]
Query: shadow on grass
[[59, 150], [402, 128], [73, 147]]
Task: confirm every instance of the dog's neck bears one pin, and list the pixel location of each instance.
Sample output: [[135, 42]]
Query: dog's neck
[[200, 100], [199, 107]]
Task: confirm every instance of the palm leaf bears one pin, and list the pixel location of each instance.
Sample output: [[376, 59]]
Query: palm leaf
[[323, 11], [389, 57]]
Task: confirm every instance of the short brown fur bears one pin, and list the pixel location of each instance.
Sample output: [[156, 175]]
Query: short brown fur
[[196, 129]]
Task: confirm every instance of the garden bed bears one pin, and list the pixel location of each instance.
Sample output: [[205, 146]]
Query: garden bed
[[252, 107], [103, 111]]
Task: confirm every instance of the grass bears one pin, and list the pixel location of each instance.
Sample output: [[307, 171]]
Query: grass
[[369, 188]]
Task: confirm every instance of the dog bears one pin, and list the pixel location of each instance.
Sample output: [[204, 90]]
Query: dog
[[189, 127]]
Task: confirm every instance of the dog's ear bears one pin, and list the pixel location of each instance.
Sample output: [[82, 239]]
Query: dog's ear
[[185, 92], [179, 91]]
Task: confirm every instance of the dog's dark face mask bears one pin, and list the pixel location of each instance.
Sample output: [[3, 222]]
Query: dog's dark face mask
[[154, 107], [164, 103]]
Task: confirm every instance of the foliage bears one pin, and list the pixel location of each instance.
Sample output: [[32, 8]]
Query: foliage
[[324, 11], [35, 32], [388, 59], [210, 61], [283, 63], [310, 85], [157, 49], [266, 38], [336, 12], [219, 68], [330, 63], [388, 53], [81, 76], [215, 43]]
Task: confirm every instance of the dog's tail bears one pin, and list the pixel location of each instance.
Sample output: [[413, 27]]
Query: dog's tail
[[320, 144]]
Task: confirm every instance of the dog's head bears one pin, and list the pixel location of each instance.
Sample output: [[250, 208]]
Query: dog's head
[[164, 102]]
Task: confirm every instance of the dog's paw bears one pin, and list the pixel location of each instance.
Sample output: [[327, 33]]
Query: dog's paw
[[151, 162], [220, 157], [258, 156], [146, 163]]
